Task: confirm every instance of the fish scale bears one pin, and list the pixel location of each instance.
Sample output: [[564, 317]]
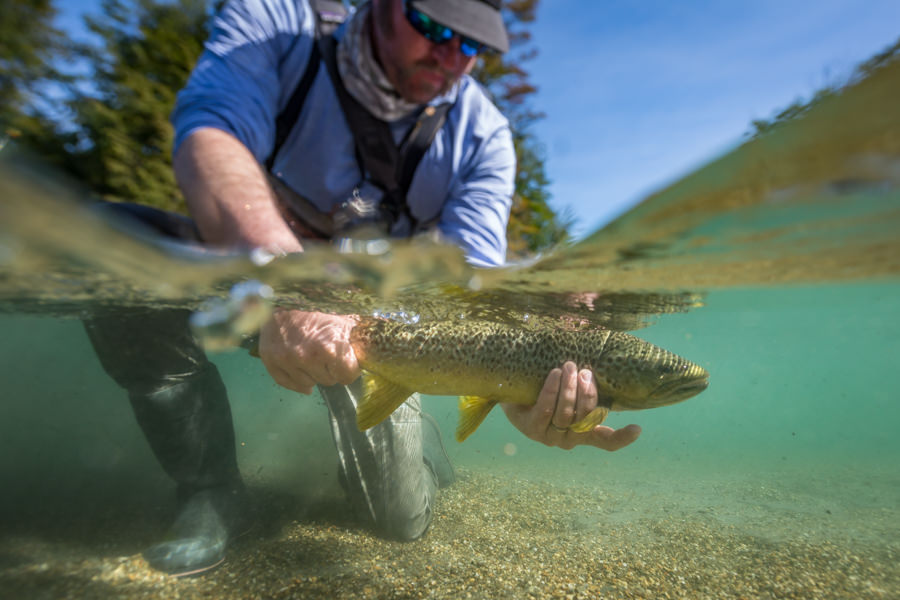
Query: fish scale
[[486, 362]]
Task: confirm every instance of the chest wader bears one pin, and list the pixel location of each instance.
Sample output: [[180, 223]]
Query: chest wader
[[180, 403], [390, 473]]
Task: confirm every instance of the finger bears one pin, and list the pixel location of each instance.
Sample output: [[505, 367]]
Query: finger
[[328, 361], [587, 394], [568, 394], [611, 439], [569, 440], [323, 374], [297, 382], [301, 382], [542, 411], [345, 368], [564, 439], [275, 372]]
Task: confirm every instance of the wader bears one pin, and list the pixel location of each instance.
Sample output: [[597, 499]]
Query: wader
[[390, 472]]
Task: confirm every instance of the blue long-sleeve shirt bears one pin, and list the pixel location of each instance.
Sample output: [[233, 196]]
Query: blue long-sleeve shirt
[[253, 61]]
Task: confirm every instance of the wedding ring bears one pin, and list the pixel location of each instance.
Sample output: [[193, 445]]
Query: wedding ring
[[559, 429]]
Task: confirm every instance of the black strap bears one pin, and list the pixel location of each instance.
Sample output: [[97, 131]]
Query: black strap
[[285, 121], [374, 140], [389, 167], [418, 141], [328, 15]]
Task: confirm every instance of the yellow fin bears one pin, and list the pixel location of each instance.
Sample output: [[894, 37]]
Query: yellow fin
[[593, 418], [472, 411], [380, 398]]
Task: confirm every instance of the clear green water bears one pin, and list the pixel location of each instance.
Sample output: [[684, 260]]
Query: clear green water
[[795, 439], [796, 435], [798, 375]]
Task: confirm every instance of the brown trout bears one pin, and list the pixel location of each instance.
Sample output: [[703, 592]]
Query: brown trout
[[486, 363]]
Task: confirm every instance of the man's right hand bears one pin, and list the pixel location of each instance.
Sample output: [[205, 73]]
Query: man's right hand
[[302, 349]]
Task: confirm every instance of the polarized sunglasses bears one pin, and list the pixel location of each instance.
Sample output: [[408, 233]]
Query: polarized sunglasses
[[440, 34]]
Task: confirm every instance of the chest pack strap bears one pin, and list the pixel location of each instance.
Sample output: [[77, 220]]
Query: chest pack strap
[[286, 119], [328, 15], [388, 166]]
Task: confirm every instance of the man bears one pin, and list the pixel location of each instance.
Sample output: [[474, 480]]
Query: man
[[395, 58]]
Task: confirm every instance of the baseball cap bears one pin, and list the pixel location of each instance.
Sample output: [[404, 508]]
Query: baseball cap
[[480, 20]]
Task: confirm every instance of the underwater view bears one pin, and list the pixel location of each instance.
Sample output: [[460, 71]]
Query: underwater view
[[775, 268]]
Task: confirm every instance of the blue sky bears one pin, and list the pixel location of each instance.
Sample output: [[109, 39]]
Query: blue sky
[[638, 93]]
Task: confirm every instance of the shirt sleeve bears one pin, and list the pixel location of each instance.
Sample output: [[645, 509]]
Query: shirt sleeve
[[237, 82], [476, 215]]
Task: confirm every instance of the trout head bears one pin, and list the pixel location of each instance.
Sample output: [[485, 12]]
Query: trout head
[[636, 375]]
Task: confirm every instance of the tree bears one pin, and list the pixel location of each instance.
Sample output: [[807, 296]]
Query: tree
[[112, 132], [533, 224], [28, 43], [122, 139]]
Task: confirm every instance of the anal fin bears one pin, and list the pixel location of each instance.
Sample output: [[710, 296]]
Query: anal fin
[[591, 420], [472, 411], [380, 398]]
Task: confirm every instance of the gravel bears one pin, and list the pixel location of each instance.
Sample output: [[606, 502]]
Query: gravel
[[494, 536]]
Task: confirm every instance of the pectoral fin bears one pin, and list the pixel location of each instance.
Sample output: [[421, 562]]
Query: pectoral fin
[[472, 411], [380, 398], [593, 418]]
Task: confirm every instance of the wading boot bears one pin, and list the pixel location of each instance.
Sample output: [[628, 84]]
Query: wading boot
[[207, 520], [188, 425]]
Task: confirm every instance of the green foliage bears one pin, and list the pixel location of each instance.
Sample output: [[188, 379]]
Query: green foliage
[[113, 131], [800, 107], [28, 40], [123, 137]]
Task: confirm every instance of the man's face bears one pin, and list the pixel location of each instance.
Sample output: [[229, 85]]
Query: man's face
[[419, 69]]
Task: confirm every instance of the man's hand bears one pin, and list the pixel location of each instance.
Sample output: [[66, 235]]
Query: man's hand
[[302, 349], [567, 397]]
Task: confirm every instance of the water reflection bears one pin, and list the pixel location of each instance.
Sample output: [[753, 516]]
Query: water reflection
[[816, 199]]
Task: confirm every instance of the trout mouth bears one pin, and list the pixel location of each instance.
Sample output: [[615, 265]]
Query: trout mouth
[[679, 389]]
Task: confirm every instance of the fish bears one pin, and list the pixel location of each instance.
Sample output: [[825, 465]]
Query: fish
[[486, 363]]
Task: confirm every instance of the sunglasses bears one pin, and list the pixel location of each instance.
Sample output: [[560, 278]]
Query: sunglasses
[[440, 34]]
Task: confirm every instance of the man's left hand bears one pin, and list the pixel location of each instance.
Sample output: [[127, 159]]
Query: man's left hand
[[567, 397]]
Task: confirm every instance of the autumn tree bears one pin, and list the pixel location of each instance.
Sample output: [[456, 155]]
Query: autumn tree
[[533, 225]]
